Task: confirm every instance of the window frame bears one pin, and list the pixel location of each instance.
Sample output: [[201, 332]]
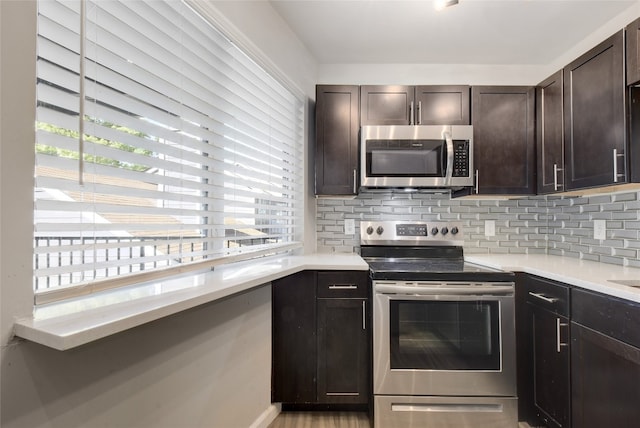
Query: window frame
[[64, 292]]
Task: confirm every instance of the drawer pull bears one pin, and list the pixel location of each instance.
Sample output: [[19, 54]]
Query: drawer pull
[[343, 287], [342, 394], [543, 297]]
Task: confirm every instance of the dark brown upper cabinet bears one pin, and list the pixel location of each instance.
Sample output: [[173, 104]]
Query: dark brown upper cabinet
[[504, 139], [594, 117], [633, 81], [633, 52], [386, 105], [550, 134], [414, 105], [337, 128], [443, 105]]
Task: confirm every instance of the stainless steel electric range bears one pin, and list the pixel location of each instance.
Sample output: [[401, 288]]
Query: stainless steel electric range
[[443, 330]]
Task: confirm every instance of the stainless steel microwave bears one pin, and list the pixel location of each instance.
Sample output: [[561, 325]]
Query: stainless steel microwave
[[423, 156]]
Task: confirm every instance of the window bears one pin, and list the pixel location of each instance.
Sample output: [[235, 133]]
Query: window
[[165, 147]]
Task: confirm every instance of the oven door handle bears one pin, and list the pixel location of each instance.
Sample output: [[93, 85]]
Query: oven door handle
[[493, 290]]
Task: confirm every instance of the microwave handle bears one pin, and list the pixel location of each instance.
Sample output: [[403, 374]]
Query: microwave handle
[[449, 170]]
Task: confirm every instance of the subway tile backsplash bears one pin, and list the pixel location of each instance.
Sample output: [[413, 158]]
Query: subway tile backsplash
[[559, 225]]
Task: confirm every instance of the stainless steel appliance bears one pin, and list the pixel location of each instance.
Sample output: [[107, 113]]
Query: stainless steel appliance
[[443, 330], [423, 156]]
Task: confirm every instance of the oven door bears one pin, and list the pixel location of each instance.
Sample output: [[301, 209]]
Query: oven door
[[452, 340]]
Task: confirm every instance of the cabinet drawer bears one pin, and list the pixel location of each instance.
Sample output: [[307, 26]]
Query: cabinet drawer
[[614, 317], [342, 284], [550, 295]]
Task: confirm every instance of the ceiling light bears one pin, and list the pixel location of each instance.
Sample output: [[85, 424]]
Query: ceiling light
[[441, 4]]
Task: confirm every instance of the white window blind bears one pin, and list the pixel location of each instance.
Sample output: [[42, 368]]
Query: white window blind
[[160, 145]]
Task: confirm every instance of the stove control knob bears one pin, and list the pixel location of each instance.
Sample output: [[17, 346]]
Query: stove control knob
[[454, 230], [434, 231], [379, 230], [444, 230], [369, 230]]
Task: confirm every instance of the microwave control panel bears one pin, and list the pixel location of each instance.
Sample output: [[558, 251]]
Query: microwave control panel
[[460, 159]]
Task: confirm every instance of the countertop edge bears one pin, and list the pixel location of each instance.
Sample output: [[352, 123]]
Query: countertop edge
[[585, 274], [73, 329], [69, 330]]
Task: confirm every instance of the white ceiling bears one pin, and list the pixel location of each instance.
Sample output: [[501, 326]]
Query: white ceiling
[[525, 32]]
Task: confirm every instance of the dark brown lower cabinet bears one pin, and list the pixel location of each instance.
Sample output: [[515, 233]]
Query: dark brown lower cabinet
[[342, 351], [551, 368], [321, 339], [544, 389], [605, 363], [293, 372]]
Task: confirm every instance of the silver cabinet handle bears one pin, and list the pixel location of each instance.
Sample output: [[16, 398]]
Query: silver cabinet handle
[[355, 176], [364, 315], [343, 287], [556, 185], [411, 113], [477, 181], [559, 343], [419, 113], [543, 297], [616, 155]]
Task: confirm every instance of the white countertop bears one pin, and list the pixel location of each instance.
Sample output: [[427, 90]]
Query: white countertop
[[75, 322], [577, 272]]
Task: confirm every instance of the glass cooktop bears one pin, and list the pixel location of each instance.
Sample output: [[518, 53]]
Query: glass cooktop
[[434, 270]]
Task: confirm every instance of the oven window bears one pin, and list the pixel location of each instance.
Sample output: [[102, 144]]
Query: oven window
[[441, 335]]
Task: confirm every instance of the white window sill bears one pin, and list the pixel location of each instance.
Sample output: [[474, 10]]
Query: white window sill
[[71, 323]]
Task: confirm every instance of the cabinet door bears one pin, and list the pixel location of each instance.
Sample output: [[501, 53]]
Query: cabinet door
[[337, 130], [594, 109], [550, 134], [503, 138], [524, 351], [551, 367], [605, 377], [343, 351], [443, 105], [633, 52], [387, 105], [542, 317], [294, 339], [634, 134]]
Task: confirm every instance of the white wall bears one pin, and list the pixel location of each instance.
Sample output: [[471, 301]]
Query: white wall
[[207, 367], [472, 74], [17, 116]]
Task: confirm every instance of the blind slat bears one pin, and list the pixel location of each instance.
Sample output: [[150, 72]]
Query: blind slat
[[191, 152]]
